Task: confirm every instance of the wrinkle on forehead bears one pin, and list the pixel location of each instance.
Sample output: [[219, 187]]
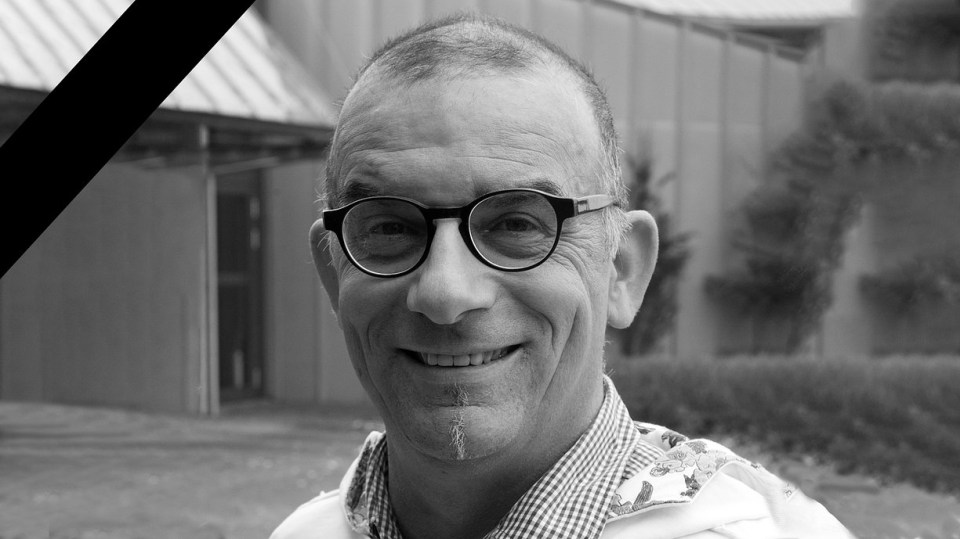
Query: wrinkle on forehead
[[357, 189], [378, 113]]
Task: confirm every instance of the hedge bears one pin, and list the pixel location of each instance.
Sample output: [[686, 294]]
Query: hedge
[[895, 418]]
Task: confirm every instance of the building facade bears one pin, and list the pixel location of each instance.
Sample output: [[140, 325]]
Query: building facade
[[180, 277]]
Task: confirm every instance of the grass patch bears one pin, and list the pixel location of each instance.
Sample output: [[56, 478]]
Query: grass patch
[[897, 419]]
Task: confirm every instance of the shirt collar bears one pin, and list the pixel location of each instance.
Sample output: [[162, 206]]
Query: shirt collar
[[571, 500], [366, 502]]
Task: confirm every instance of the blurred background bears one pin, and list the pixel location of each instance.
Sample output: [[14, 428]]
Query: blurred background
[[801, 158]]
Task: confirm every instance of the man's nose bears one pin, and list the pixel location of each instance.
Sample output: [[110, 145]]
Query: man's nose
[[450, 283]]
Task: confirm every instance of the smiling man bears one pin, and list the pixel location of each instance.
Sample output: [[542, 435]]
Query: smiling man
[[475, 249]]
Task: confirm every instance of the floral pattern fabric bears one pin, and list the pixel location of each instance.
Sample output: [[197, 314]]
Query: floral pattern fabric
[[683, 470]]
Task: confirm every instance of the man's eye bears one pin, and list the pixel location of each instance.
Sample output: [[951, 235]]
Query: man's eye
[[388, 236], [515, 223], [390, 229]]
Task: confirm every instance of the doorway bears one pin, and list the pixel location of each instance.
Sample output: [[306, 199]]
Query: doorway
[[240, 285]]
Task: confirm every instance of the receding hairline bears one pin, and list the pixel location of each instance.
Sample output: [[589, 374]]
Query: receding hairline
[[411, 57], [490, 43]]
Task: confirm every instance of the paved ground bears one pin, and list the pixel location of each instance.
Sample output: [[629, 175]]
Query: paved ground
[[87, 473]]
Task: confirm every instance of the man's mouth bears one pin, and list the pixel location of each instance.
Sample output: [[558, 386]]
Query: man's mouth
[[464, 360]]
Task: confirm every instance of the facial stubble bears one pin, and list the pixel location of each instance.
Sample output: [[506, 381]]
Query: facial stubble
[[457, 436]]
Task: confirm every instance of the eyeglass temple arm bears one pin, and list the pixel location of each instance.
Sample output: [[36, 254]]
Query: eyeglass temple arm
[[593, 203]]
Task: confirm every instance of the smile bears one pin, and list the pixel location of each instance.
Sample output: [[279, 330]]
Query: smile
[[464, 360]]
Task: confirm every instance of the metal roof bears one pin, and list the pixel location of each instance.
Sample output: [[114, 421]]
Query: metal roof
[[802, 12], [248, 74]]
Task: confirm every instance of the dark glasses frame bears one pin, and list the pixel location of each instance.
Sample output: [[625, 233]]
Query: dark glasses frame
[[565, 208]]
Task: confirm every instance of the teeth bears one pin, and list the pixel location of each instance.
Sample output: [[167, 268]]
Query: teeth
[[466, 360]]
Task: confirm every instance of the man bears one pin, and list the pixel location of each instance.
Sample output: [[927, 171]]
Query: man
[[476, 249]]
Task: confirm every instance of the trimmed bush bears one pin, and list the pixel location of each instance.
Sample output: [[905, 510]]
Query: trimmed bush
[[894, 418]]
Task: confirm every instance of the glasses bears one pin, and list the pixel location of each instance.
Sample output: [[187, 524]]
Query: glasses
[[511, 230]]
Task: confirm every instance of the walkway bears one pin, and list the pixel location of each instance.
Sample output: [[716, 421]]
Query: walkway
[[89, 473]]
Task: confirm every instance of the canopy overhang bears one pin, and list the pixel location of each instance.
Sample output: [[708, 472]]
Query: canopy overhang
[[247, 103]]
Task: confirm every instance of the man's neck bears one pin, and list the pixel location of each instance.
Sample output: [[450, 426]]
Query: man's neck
[[464, 500], [467, 499]]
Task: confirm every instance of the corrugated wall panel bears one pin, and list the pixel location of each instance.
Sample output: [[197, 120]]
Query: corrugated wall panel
[[700, 192], [108, 297], [396, 17], [256, 62], [21, 343], [102, 13], [77, 21], [351, 26], [609, 45], [745, 95], [209, 80], [659, 49], [744, 124], [245, 83], [703, 63], [773, 11], [338, 379], [657, 84], [785, 99], [560, 22], [291, 283], [75, 31], [191, 96], [514, 11], [307, 356], [27, 44], [438, 8], [16, 66], [60, 47], [304, 27]]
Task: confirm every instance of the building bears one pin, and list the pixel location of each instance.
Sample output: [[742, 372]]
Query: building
[[173, 280]]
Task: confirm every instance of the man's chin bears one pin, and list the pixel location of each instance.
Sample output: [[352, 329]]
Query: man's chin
[[461, 434]]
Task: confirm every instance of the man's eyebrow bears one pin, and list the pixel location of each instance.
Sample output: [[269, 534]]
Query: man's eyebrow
[[353, 191], [545, 185]]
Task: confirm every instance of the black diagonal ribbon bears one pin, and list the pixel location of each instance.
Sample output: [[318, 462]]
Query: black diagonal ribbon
[[100, 103]]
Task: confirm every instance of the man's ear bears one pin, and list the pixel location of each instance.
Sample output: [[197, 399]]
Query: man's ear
[[633, 265], [324, 263]]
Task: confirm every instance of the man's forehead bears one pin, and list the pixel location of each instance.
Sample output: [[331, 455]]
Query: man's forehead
[[359, 188], [377, 83], [529, 117], [514, 107]]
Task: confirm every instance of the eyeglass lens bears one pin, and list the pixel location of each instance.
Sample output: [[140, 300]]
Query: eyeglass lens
[[512, 230]]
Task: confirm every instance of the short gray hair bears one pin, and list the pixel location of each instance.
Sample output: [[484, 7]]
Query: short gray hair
[[465, 45]]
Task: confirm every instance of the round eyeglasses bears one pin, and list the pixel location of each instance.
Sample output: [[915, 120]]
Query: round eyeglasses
[[510, 230]]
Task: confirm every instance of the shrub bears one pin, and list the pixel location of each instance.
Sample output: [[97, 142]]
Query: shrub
[[895, 418], [793, 225], [659, 311], [905, 286]]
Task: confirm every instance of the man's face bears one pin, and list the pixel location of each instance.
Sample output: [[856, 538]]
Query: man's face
[[537, 334]]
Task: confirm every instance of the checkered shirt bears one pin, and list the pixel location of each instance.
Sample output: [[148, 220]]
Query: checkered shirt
[[572, 500]]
